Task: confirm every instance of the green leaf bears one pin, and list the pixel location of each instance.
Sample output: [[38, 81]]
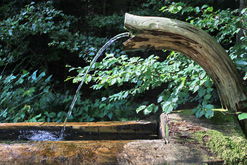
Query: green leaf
[[141, 108], [34, 75], [160, 99], [201, 92], [167, 107], [175, 99], [204, 6], [197, 9], [29, 92], [125, 94], [149, 109], [196, 88], [210, 9], [199, 113], [110, 115], [52, 114], [241, 62], [156, 108], [202, 75], [113, 81], [9, 79], [242, 116], [10, 32], [209, 106], [207, 97], [209, 114], [35, 118]]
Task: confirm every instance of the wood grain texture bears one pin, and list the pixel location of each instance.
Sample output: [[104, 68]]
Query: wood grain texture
[[114, 152], [164, 33], [164, 127]]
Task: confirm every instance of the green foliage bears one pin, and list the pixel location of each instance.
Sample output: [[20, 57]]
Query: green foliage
[[183, 76], [106, 23], [23, 96], [185, 80], [35, 20], [7, 9], [147, 109], [242, 116], [148, 7], [226, 23], [20, 35], [29, 97], [223, 24], [102, 110], [40, 35]]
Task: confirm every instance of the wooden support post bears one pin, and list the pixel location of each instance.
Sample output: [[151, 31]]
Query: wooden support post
[[164, 127]]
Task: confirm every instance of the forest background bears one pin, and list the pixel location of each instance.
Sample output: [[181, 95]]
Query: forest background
[[46, 47]]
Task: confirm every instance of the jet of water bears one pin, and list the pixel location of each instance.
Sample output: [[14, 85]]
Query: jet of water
[[99, 53]]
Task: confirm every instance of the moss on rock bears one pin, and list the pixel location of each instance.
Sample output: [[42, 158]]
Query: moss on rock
[[227, 140], [233, 149]]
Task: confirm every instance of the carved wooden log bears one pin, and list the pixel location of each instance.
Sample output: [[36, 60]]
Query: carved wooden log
[[83, 130], [165, 33]]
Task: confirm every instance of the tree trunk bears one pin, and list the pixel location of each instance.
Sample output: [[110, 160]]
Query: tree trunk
[[165, 33]]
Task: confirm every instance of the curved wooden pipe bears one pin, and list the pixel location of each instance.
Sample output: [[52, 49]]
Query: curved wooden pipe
[[165, 33]]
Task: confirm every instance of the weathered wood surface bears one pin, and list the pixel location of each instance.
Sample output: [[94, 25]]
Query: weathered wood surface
[[101, 127], [83, 130], [145, 152], [164, 33], [164, 127], [112, 152]]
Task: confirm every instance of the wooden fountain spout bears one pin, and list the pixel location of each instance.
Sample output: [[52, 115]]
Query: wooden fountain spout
[[164, 33]]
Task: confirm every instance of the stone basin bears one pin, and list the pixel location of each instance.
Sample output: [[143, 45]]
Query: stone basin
[[101, 143]]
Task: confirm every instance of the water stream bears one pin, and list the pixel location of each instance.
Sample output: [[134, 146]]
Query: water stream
[[99, 53]]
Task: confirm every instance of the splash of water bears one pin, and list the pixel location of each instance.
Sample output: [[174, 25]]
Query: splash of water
[[38, 135], [99, 53]]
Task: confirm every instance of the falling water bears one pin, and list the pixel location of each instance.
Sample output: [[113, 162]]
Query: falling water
[[99, 53]]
